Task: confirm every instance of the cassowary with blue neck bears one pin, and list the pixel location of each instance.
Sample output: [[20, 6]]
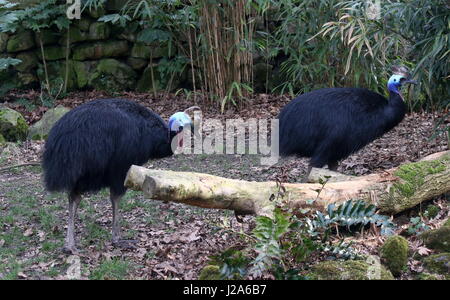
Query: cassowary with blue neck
[[329, 124], [93, 146]]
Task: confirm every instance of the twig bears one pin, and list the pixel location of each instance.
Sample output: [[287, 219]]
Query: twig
[[20, 165]]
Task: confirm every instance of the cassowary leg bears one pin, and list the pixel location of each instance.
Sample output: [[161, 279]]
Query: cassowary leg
[[74, 201], [305, 178], [333, 165], [315, 162], [116, 240]]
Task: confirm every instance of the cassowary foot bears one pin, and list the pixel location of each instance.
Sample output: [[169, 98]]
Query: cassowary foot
[[125, 244], [70, 250]]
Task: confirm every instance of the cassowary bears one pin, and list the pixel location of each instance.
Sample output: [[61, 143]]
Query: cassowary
[[94, 145], [329, 124]]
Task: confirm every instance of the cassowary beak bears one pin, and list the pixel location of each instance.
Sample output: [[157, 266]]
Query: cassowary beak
[[410, 81]]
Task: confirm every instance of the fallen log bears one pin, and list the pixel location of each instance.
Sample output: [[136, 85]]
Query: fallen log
[[392, 191]]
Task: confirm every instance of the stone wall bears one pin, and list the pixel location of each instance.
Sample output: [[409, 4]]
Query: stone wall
[[102, 56]]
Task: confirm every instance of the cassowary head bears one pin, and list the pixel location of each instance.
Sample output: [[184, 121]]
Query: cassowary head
[[179, 121], [401, 76]]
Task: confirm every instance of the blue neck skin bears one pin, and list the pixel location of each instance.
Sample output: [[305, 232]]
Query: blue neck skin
[[393, 87]]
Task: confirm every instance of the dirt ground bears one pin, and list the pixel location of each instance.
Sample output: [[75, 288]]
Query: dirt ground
[[174, 240]]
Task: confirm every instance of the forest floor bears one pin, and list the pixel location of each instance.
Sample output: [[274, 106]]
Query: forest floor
[[174, 241]]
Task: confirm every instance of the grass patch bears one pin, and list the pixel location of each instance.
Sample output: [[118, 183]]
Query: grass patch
[[114, 269], [97, 233]]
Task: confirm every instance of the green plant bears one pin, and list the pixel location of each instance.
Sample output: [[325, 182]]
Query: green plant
[[414, 32], [233, 263], [268, 233], [417, 226], [114, 269], [349, 214]]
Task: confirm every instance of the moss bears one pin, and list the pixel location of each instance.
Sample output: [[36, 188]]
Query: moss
[[53, 53], [438, 263], [26, 79], [432, 211], [83, 70], [29, 61], [210, 272], [57, 71], [13, 126], [346, 270], [83, 23], [447, 223], [99, 31], [47, 36], [394, 254], [402, 194], [112, 75], [427, 276], [437, 239], [20, 42], [41, 129], [2, 141], [413, 174], [100, 49], [3, 41], [145, 83], [137, 63], [76, 35]]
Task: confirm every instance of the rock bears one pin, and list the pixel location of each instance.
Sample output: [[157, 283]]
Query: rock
[[29, 61], [84, 23], [394, 254], [137, 63], [53, 53], [347, 270], [437, 239], [41, 129], [3, 41], [76, 36], [146, 84], [129, 32], [99, 31], [47, 36], [20, 42], [57, 73], [141, 50], [210, 272], [83, 69], [113, 75], [438, 263], [99, 50], [27, 79], [13, 126]]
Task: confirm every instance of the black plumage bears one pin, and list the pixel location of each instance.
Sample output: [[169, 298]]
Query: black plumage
[[93, 146], [329, 124]]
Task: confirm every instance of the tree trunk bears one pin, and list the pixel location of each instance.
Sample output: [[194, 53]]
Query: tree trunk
[[392, 191]]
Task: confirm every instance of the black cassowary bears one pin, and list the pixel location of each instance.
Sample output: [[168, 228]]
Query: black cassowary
[[329, 124], [94, 145]]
